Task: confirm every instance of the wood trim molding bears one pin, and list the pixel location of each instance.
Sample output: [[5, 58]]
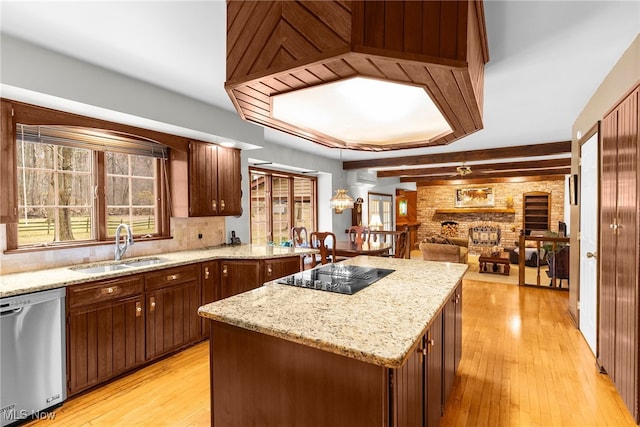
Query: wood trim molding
[[489, 180], [475, 210]]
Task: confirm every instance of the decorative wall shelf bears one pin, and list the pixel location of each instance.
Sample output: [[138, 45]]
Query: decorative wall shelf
[[475, 210]]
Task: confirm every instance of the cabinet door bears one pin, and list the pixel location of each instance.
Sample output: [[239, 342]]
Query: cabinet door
[[280, 267], [104, 340], [229, 182], [172, 317], [452, 341], [407, 390], [203, 179], [210, 289], [433, 373], [239, 276]]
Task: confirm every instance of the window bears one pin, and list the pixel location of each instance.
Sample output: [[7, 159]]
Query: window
[[279, 202], [77, 184]]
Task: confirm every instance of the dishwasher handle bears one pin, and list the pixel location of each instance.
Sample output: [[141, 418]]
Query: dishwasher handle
[[11, 312]]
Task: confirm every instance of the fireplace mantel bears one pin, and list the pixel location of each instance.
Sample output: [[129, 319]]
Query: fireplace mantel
[[475, 210]]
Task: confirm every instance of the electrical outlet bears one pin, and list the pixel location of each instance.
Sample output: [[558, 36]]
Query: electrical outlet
[[199, 235]]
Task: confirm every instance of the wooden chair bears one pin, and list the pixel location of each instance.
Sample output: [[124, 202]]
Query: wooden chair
[[326, 242], [401, 242], [359, 234], [300, 237], [559, 266]]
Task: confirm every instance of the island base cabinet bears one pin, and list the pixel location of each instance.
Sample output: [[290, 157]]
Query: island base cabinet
[[258, 379]]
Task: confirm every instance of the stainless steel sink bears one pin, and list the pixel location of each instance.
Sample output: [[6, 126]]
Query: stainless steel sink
[[145, 262], [101, 268], [119, 265]]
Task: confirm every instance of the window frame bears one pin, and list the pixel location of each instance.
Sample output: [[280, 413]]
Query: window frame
[[269, 174], [14, 112]]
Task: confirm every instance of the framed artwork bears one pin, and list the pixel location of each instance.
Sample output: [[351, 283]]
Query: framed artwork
[[573, 189], [475, 197], [402, 208]]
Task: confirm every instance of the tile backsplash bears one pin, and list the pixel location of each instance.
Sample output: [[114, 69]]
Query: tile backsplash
[[184, 231]]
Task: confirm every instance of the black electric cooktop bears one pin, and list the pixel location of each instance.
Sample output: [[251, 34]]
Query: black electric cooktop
[[343, 279]]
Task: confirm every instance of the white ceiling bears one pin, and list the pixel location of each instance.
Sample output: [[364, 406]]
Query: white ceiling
[[546, 57]]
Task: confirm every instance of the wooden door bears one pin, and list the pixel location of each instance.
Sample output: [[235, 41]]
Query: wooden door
[[239, 276], [203, 179], [229, 182], [626, 317], [104, 340]]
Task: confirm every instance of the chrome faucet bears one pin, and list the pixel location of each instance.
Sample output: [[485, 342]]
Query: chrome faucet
[[121, 250]]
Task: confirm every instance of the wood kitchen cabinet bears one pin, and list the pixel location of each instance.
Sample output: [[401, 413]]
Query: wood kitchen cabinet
[[214, 180], [279, 267], [452, 339], [619, 252], [105, 330], [210, 273], [172, 298], [237, 276]]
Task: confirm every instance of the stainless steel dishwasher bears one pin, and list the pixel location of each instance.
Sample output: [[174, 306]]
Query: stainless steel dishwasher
[[32, 354]]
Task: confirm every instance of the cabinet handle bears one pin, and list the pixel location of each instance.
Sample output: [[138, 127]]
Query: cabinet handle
[[152, 303], [214, 205], [224, 270], [108, 291], [221, 205], [173, 276], [206, 272], [138, 309]]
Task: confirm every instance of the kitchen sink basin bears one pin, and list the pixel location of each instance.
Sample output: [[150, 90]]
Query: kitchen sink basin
[[101, 268], [145, 262], [119, 265]]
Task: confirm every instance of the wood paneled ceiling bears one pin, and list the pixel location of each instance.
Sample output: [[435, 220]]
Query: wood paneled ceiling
[[542, 160], [274, 47]]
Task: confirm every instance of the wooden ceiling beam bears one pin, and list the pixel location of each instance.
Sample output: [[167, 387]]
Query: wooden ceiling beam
[[486, 177], [481, 168], [536, 150]]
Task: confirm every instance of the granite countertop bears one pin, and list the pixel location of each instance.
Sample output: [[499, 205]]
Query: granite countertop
[[379, 324], [51, 278]]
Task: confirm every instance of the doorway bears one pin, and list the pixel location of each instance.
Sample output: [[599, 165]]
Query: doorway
[[588, 294]]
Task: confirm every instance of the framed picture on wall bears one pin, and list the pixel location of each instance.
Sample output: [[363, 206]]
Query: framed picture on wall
[[573, 189], [474, 197]]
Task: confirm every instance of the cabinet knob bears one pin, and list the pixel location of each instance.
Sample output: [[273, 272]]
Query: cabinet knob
[[152, 303], [269, 270], [138, 309], [108, 291], [206, 272], [214, 205], [224, 270], [173, 276]]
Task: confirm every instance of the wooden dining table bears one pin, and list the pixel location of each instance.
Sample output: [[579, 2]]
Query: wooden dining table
[[347, 248]]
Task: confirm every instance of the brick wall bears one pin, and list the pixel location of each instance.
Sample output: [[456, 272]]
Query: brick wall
[[431, 198]]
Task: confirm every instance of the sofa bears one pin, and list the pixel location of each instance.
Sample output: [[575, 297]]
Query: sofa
[[447, 249]]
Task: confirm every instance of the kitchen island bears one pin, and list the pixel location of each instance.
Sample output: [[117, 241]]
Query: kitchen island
[[386, 355]]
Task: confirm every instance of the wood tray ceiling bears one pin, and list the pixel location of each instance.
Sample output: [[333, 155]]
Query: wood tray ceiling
[[279, 46]]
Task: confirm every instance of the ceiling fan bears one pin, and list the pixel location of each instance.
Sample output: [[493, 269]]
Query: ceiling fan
[[463, 170]]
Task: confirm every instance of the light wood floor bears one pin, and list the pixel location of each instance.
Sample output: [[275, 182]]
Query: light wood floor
[[523, 364]]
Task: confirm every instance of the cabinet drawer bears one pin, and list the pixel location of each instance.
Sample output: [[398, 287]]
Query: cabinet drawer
[[171, 276], [106, 290]]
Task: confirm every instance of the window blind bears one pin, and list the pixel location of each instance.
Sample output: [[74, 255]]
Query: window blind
[[92, 139]]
